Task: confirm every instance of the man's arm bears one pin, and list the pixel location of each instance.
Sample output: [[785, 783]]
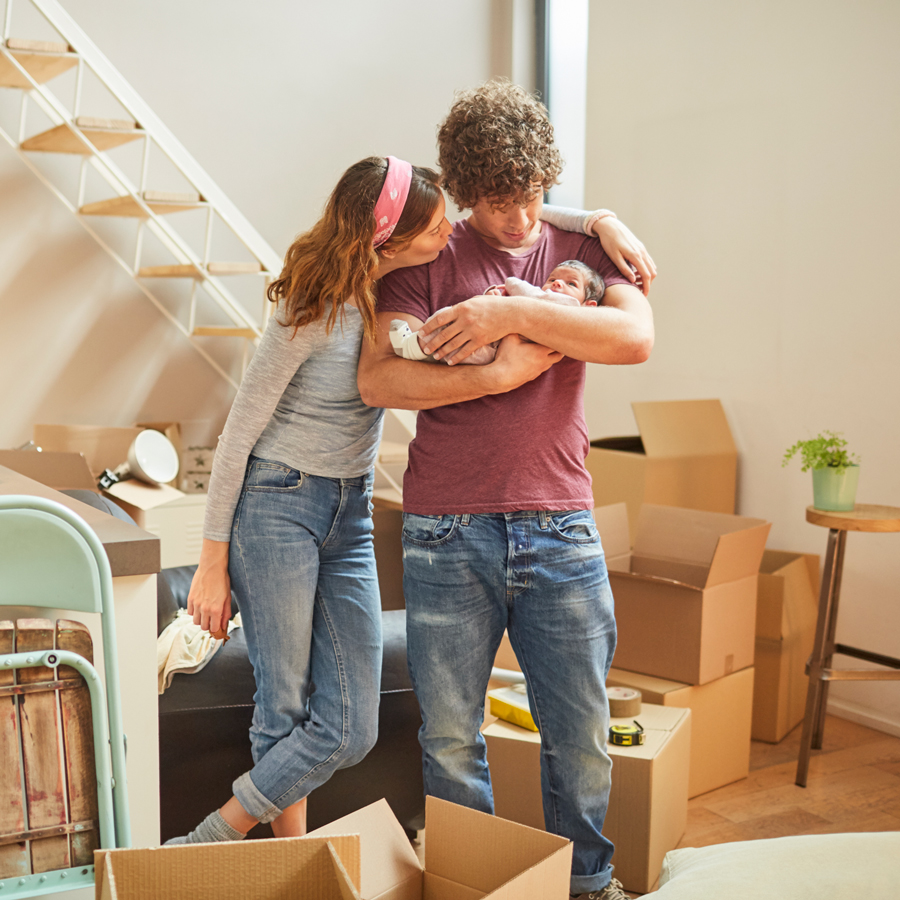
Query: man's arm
[[620, 332], [387, 380]]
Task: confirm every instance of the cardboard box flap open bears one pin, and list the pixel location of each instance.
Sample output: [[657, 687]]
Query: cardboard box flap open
[[389, 868], [483, 852], [143, 495], [286, 869], [60, 471], [684, 428], [103, 448], [710, 548]]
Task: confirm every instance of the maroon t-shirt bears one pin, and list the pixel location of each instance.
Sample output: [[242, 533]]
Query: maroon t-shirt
[[521, 450]]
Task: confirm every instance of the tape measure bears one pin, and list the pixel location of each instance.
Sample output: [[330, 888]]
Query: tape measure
[[626, 735]]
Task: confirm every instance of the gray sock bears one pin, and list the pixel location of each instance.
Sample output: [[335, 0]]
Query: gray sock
[[213, 828]]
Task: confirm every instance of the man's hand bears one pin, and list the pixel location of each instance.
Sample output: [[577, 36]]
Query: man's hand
[[517, 362], [469, 325], [625, 251]]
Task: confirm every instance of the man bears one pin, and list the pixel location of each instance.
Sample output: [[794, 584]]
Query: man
[[498, 531]]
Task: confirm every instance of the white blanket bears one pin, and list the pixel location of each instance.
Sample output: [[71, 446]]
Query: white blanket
[[185, 647]]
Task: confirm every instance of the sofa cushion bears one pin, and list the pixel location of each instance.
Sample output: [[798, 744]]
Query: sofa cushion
[[804, 867]]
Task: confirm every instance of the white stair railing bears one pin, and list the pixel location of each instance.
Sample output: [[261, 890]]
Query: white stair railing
[[29, 66]]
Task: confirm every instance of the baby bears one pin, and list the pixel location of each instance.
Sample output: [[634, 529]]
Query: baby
[[571, 283]]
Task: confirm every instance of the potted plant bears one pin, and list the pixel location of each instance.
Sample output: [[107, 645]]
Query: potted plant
[[835, 471]]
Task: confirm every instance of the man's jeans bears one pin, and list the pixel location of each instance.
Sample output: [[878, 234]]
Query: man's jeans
[[302, 565], [543, 577]]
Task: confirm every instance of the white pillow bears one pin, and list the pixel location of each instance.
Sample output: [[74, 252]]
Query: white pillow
[[806, 867]]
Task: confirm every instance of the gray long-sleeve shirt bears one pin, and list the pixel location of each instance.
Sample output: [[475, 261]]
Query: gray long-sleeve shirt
[[298, 404]]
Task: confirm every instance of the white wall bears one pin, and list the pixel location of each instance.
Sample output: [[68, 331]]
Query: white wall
[[754, 148], [275, 99]]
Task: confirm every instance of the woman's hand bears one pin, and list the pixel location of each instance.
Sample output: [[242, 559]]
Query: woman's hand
[[625, 250], [209, 600]]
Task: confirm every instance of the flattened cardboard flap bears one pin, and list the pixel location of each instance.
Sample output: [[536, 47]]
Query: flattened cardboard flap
[[695, 537], [388, 863], [481, 851], [60, 471], [612, 523], [683, 428]]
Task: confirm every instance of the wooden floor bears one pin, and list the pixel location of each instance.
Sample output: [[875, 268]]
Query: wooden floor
[[853, 785]]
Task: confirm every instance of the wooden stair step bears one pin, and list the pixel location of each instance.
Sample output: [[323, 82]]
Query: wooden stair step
[[189, 270], [99, 122], [42, 60], [175, 271], [161, 202], [393, 453], [62, 139], [223, 331], [233, 268]]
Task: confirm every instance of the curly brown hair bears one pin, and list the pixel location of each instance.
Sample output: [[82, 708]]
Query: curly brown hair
[[334, 261], [497, 143]]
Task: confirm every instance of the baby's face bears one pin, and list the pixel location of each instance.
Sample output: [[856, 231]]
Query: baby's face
[[566, 280]]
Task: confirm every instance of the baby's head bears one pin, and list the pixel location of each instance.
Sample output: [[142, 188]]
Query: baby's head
[[578, 280]]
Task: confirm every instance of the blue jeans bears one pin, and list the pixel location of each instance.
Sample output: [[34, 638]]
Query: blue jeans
[[302, 566], [543, 577]]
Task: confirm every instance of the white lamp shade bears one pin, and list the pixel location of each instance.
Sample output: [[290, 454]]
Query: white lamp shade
[[153, 458]]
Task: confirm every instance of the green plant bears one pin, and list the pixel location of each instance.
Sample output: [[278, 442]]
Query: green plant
[[825, 450]]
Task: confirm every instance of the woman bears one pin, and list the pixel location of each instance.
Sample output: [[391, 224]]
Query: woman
[[288, 523]]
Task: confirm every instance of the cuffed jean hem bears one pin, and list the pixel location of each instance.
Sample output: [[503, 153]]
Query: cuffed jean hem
[[254, 803], [584, 884]]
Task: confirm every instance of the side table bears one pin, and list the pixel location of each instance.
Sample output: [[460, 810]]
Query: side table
[[863, 517]]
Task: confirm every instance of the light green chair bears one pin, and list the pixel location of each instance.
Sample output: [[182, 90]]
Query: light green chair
[[50, 557]]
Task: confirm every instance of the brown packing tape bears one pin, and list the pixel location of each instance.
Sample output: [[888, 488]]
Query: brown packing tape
[[623, 702]]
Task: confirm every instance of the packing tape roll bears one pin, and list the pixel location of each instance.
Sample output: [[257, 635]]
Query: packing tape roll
[[624, 703]]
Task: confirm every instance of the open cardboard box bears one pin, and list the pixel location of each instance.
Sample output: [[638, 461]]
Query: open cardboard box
[[684, 456], [686, 593], [647, 812], [468, 856], [786, 613]]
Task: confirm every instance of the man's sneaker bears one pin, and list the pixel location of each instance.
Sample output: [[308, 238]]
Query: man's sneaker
[[613, 891]]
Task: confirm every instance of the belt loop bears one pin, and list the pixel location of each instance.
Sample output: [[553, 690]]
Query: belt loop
[[465, 519], [544, 517]]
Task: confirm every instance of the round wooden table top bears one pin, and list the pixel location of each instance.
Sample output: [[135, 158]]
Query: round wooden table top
[[863, 517]]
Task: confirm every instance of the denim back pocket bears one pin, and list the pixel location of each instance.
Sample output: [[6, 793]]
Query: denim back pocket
[[265, 475], [428, 531], [576, 527]]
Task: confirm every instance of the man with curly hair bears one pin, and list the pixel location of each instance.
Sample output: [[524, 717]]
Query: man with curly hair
[[498, 531]]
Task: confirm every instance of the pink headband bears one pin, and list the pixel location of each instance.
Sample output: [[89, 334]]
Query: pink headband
[[392, 199]]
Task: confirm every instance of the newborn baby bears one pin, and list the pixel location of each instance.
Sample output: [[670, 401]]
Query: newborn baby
[[571, 283]]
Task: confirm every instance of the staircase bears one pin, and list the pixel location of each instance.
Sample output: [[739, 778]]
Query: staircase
[[159, 240]]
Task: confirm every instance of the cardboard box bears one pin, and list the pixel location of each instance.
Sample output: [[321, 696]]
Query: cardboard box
[[647, 813], [60, 471], [286, 869], [686, 594], [684, 456], [786, 612], [468, 855], [721, 712]]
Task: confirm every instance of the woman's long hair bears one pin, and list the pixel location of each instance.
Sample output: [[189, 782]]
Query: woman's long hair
[[334, 260]]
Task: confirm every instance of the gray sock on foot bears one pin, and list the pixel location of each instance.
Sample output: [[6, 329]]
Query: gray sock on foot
[[213, 828]]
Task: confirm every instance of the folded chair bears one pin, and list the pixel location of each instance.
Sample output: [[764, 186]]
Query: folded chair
[[49, 818]]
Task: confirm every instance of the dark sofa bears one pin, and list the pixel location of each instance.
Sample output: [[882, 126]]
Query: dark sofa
[[204, 722]]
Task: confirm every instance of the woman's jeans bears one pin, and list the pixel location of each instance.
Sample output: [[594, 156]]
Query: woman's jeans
[[302, 565], [543, 577]]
